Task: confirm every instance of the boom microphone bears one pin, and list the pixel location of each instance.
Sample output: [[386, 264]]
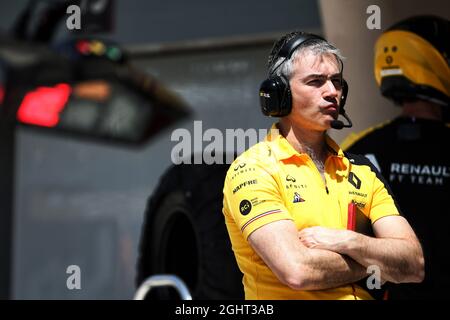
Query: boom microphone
[[338, 124]]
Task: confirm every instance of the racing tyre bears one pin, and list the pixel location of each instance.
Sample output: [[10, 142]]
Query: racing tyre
[[184, 234]]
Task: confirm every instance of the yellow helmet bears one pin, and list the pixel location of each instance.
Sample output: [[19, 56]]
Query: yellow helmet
[[412, 60]]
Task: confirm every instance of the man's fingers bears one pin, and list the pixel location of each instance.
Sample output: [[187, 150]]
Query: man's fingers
[[305, 232], [308, 242]]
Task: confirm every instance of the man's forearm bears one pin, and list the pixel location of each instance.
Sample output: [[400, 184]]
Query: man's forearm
[[396, 258], [327, 269]]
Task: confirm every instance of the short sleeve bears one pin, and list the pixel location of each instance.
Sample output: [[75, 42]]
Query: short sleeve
[[252, 197], [382, 202]]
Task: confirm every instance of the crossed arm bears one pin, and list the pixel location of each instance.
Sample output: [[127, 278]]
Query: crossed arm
[[327, 258], [395, 250]]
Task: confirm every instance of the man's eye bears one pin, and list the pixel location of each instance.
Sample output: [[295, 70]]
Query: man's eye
[[337, 83], [314, 82]]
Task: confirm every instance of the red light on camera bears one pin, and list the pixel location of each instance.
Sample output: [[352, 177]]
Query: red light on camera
[[42, 106]]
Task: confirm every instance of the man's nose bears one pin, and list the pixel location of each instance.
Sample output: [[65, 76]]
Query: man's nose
[[331, 90]]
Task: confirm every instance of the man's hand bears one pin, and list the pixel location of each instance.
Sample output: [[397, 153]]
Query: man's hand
[[299, 267], [325, 238], [395, 248]]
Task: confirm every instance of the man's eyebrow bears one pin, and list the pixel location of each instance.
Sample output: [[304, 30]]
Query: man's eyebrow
[[318, 76]]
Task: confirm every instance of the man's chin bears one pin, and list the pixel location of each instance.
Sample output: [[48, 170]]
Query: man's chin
[[331, 119]]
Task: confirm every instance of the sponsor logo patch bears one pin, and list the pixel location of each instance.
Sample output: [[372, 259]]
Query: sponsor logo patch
[[290, 178], [291, 183], [244, 184], [297, 198], [256, 201], [245, 207]]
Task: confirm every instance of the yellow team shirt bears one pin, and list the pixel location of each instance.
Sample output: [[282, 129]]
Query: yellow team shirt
[[271, 181]]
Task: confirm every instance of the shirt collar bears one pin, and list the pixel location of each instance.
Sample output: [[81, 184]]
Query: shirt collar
[[279, 144], [284, 150]]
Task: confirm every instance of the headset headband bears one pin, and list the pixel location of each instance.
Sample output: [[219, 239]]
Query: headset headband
[[289, 47]]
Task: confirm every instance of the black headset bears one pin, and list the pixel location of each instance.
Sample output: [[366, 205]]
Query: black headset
[[275, 94]]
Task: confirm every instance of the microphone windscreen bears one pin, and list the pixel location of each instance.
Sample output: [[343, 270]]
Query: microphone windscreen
[[337, 124]]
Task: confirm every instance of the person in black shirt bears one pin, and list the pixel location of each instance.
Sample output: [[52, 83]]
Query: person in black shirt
[[412, 68]]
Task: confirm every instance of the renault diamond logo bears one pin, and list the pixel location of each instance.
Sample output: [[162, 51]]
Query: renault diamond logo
[[354, 180]]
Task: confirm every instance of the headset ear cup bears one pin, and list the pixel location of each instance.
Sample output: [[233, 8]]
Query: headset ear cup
[[268, 97], [344, 96], [286, 97], [275, 97]]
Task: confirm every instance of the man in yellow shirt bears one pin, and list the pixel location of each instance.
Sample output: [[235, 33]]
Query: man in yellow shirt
[[287, 199]]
